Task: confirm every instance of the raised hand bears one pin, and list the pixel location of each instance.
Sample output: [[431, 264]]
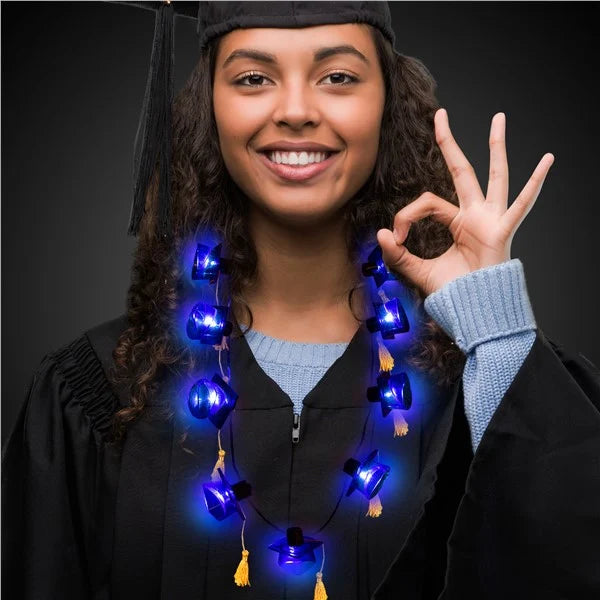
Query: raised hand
[[482, 226]]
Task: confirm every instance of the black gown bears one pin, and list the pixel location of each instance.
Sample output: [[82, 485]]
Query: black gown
[[520, 519]]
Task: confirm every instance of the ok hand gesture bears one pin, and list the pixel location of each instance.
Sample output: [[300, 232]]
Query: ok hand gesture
[[481, 226]]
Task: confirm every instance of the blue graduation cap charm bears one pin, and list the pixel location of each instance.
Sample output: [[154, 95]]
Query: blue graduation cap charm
[[375, 267], [212, 399], [222, 498], [390, 319], [208, 263], [393, 391], [296, 551], [368, 476], [208, 323]]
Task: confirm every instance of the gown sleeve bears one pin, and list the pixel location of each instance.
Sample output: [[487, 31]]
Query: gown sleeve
[[520, 515], [51, 468]]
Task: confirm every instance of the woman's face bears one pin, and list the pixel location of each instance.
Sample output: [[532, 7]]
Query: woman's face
[[280, 88]]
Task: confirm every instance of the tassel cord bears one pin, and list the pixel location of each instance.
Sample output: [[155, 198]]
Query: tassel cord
[[153, 136], [220, 464]]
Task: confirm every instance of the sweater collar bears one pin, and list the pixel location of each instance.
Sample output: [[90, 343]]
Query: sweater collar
[[342, 386]]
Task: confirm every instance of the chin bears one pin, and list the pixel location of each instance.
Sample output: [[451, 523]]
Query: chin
[[299, 214]]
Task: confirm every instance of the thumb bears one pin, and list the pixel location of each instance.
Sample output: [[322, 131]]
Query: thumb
[[398, 258]]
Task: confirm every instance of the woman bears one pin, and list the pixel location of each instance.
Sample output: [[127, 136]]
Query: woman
[[103, 468]]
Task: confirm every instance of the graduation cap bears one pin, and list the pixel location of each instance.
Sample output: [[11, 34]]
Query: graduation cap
[[375, 267], [390, 319], [367, 477], [223, 498], [208, 263], [152, 144], [213, 400], [208, 323], [394, 394], [296, 551]]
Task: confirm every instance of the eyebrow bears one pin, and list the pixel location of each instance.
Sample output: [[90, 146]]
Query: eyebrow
[[318, 55]]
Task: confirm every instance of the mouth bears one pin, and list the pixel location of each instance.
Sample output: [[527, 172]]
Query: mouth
[[298, 172]]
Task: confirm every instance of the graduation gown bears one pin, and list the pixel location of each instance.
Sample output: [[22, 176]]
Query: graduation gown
[[519, 519]]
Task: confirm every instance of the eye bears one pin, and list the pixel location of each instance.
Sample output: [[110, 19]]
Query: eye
[[254, 76], [251, 75], [342, 74]]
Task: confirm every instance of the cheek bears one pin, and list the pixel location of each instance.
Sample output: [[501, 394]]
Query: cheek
[[237, 121], [358, 121]]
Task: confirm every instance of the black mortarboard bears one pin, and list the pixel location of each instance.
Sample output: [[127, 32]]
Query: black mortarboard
[[153, 138]]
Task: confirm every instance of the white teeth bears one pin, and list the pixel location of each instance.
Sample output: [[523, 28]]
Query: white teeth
[[297, 158]]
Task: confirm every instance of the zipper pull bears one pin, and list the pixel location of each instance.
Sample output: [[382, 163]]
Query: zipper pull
[[296, 429]]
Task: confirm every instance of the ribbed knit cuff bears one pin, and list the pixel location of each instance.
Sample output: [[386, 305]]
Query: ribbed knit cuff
[[485, 304]]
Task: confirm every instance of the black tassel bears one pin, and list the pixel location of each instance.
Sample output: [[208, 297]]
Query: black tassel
[[153, 138]]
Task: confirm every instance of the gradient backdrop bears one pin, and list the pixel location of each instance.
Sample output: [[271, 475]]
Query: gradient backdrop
[[73, 80]]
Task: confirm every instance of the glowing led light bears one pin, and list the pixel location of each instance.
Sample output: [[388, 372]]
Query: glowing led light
[[296, 551], [222, 498], [208, 263], [390, 319], [208, 323], [393, 391], [375, 267], [213, 399], [368, 476]]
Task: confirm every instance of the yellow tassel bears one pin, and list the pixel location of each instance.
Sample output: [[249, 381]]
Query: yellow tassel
[[375, 508], [242, 573], [400, 424], [220, 464], [386, 360], [320, 593]]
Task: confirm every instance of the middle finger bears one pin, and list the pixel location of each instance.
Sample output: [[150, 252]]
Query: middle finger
[[497, 190]]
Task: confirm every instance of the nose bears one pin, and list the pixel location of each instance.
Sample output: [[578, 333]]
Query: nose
[[296, 106]]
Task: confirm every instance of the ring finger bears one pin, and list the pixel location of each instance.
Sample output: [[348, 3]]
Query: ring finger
[[463, 174]]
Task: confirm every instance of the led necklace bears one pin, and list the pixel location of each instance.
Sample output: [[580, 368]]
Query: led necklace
[[214, 400]]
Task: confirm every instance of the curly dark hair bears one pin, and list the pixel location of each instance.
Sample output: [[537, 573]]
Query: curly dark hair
[[409, 162]]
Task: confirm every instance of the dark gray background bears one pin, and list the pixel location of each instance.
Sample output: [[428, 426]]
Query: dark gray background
[[73, 79]]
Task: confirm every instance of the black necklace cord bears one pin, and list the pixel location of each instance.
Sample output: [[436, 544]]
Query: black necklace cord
[[341, 495]]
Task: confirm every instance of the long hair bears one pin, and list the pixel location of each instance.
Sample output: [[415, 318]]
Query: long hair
[[409, 162]]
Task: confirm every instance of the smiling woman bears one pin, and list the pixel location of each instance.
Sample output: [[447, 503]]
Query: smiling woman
[[300, 401], [298, 98]]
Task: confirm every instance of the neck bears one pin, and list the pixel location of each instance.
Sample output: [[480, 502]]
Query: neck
[[303, 279]]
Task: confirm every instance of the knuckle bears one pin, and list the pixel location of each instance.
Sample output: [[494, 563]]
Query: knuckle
[[460, 169], [398, 220], [495, 174], [442, 138]]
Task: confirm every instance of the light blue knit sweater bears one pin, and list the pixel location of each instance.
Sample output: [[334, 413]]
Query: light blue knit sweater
[[487, 313]]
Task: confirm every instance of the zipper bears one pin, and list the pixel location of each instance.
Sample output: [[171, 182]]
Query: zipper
[[296, 429]]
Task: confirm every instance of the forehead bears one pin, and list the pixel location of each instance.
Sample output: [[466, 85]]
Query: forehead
[[282, 41]]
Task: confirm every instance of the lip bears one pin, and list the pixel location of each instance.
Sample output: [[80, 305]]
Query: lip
[[298, 173]]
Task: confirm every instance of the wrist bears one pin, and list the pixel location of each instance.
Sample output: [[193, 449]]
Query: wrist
[[485, 304]]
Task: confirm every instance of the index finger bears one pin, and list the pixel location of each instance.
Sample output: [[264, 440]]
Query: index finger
[[463, 174]]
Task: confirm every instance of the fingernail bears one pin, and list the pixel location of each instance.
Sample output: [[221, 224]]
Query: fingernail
[[396, 238]]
